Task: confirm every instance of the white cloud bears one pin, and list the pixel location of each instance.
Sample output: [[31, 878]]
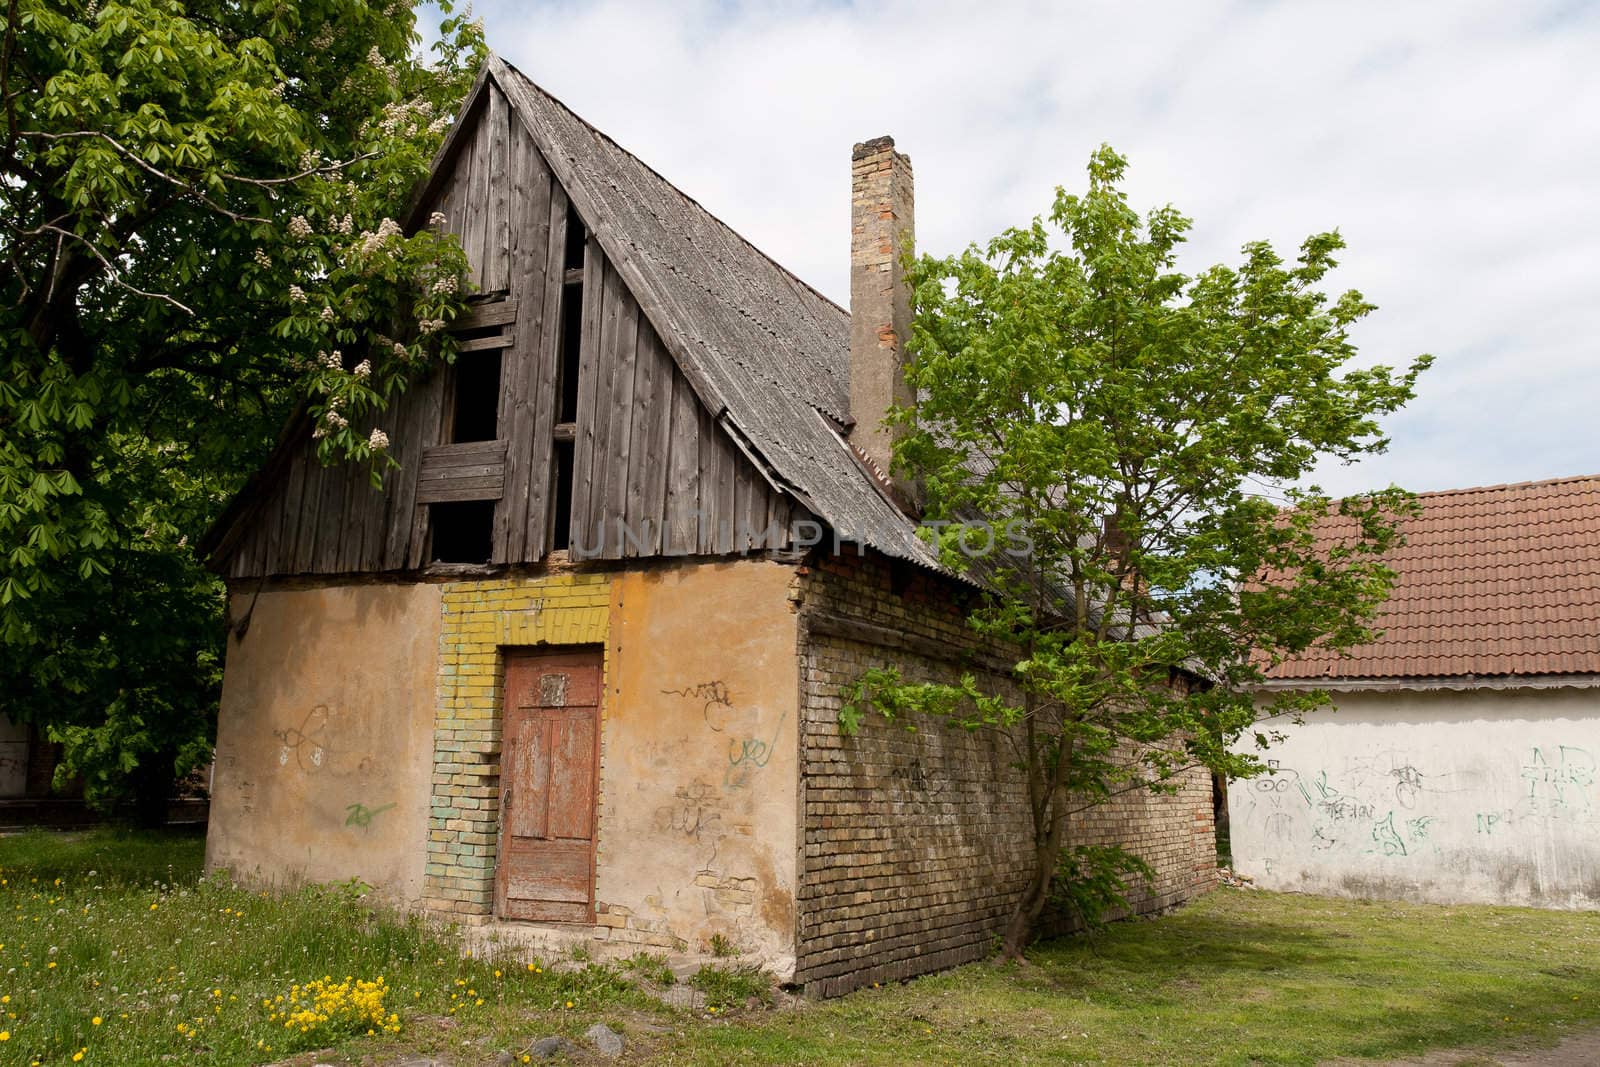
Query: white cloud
[[1455, 145]]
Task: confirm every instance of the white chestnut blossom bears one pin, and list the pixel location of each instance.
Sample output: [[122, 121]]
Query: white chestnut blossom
[[297, 295], [401, 350], [437, 219], [378, 441], [363, 369], [261, 258], [327, 314], [299, 227], [445, 285]]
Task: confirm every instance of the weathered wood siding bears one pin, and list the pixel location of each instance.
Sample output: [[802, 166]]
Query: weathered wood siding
[[647, 453]]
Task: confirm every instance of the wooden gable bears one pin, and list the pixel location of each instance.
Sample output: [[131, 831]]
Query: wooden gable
[[503, 456]]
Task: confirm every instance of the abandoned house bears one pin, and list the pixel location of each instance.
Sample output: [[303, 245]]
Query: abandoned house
[[1461, 762], [577, 666]]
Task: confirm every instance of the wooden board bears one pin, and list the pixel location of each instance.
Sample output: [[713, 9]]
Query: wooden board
[[550, 767]]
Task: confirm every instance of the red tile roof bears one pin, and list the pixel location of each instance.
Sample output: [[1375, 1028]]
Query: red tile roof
[[1501, 580]]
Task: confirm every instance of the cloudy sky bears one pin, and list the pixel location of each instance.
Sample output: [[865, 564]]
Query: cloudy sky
[[1455, 145]]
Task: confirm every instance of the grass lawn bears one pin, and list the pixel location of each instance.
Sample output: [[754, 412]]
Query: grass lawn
[[114, 947]]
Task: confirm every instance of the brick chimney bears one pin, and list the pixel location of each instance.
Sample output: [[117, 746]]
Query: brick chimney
[[880, 303]]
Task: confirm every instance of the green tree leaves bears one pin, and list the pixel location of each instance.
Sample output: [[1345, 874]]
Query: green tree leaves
[[200, 229], [1150, 431]]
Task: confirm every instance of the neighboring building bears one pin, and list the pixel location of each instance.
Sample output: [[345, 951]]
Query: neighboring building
[[27, 761], [480, 693], [1463, 761]]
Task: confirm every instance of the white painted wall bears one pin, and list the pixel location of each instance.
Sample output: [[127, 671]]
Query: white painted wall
[[1457, 797]]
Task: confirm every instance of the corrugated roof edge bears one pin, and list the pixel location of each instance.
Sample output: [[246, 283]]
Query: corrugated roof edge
[[1458, 682]]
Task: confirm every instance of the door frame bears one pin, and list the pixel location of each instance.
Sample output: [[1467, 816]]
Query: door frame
[[585, 655]]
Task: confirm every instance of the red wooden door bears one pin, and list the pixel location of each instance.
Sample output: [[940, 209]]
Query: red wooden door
[[549, 768]]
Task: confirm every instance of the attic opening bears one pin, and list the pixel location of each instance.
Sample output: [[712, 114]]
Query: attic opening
[[463, 531], [571, 329], [561, 528], [475, 415], [563, 452], [573, 260]]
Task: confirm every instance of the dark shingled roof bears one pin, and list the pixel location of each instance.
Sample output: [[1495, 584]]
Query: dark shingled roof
[[766, 353], [1498, 581]]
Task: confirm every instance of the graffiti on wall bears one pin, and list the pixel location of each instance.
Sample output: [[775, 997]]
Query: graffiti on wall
[[1560, 781], [362, 816], [751, 742], [307, 744], [1391, 806]]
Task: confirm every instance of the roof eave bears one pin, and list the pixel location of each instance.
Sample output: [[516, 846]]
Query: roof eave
[[1455, 683]]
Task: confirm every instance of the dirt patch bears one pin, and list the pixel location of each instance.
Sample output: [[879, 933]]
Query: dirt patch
[[1576, 1050]]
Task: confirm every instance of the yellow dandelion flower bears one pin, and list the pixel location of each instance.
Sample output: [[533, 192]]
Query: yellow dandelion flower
[[78, 1055], [5, 1035], [96, 1021]]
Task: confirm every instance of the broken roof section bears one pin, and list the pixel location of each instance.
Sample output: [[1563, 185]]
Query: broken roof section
[[767, 354], [1496, 581]]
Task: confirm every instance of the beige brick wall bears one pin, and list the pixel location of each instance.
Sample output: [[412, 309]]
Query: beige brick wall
[[914, 844]]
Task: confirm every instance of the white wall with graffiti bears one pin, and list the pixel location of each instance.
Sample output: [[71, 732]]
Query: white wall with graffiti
[[1479, 796]]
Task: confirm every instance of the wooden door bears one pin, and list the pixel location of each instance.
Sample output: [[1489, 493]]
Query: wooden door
[[549, 770]]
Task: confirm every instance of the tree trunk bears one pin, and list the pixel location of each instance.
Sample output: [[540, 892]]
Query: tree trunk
[[1046, 854], [1019, 930]]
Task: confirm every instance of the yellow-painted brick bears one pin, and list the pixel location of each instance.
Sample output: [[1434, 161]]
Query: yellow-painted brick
[[479, 619]]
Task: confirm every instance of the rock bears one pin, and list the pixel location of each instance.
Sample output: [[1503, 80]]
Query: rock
[[505, 1059], [421, 1063], [548, 1047], [607, 1040]]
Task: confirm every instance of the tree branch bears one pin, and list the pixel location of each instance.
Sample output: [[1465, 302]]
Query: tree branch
[[116, 275]]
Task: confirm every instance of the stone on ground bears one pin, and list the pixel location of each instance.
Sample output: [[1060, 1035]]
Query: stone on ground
[[549, 1047], [607, 1040]]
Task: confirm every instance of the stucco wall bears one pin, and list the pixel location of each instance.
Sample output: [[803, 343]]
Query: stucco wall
[[1478, 796], [698, 821], [325, 737]]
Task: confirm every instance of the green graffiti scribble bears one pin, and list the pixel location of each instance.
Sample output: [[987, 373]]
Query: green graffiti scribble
[[361, 815]]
